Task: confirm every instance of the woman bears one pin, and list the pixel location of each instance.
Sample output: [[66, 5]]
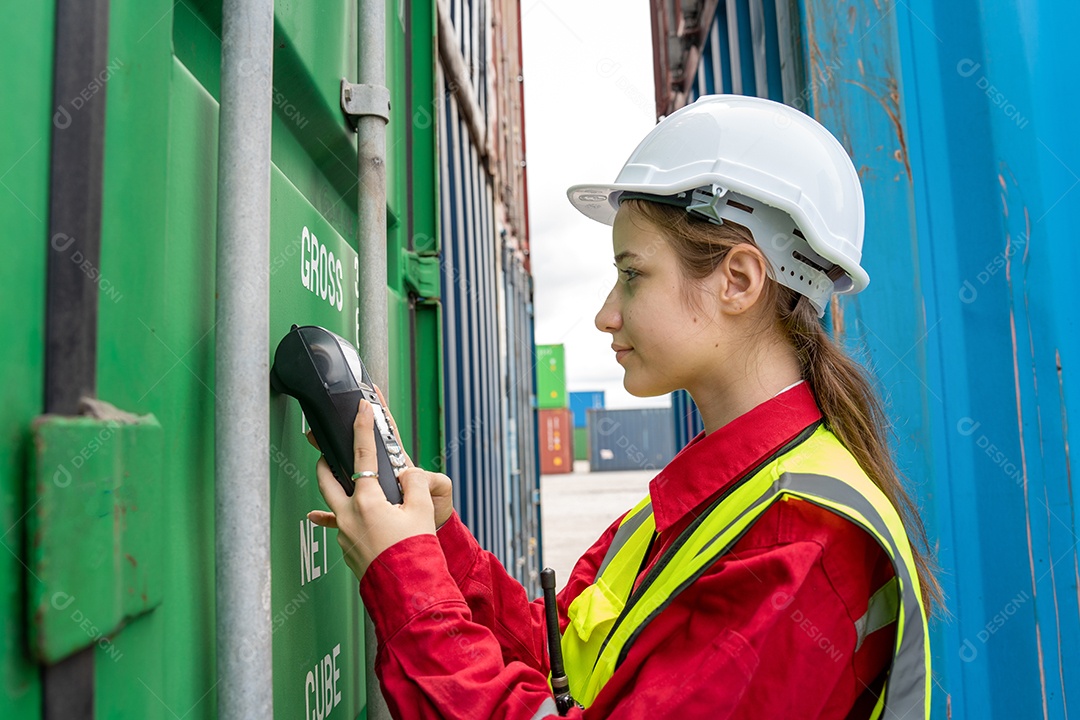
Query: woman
[[768, 574]]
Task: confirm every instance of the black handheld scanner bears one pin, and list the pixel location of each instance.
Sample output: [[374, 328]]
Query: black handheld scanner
[[325, 374]]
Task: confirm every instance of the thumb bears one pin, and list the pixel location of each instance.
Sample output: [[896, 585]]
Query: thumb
[[416, 490]]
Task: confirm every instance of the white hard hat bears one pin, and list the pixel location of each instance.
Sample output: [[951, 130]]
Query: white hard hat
[[761, 164]]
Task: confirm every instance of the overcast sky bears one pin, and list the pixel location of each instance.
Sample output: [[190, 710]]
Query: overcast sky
[[588, 102]]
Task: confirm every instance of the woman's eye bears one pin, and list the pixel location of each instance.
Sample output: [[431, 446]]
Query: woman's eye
[[628, 274]]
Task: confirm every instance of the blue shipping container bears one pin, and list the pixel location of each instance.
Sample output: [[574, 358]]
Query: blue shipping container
[[960, 120], [580, 402]]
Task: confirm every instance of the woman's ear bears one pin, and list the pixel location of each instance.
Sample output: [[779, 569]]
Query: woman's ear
[[741, 276]]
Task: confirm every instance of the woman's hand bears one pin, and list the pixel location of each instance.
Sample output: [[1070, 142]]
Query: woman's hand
[[367, 522], [442, 488]]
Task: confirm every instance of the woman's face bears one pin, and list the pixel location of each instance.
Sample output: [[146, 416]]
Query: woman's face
[[668, 334]]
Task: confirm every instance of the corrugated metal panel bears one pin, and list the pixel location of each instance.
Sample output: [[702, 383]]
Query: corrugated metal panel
[[630, 439], [466, 219], [523, 477], [486, 319], [958, 127], [686, 418]]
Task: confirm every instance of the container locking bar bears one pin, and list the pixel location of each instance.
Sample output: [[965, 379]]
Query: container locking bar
[[359, 100]]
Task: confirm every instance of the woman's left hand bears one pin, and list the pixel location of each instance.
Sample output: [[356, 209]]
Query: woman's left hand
[[367, 522]]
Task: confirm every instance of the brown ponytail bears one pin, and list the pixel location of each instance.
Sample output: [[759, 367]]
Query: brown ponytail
[[854, 413], [852, 409]]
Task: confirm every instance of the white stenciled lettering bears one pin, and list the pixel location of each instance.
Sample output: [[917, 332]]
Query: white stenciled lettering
[[321, 693], [320, 270], [305, 257], [337, 279], [331, 293], [311, 566]]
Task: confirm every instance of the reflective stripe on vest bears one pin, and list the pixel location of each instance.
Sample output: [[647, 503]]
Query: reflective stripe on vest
[[606, 618]]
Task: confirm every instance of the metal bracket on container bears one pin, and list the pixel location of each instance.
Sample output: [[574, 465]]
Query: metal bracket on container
[[360, 100], [422, 274], [95, 550]]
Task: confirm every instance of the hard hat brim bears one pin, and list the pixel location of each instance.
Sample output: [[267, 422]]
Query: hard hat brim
[[600, 202]]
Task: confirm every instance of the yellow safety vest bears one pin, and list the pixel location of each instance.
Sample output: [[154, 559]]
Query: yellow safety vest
[[605, 619]]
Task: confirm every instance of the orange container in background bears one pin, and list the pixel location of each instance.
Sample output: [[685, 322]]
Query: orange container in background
[[556, 441]]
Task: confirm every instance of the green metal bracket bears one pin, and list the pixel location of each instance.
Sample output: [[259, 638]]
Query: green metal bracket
[[422, 274], [94, 528]]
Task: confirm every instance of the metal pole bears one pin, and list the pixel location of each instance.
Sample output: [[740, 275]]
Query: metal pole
[[242, 425], [371, 247]]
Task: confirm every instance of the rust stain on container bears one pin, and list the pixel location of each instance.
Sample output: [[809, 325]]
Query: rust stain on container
[[1023, 467], [1027, 234], [1068, 461], [890, 101], [851, 17]]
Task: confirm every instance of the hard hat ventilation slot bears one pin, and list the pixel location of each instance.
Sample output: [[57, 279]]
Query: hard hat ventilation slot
[[799, 256], [744, 208]]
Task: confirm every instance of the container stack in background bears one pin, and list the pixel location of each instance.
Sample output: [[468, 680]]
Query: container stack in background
[[580, 404], [637, 439], [554, 423]]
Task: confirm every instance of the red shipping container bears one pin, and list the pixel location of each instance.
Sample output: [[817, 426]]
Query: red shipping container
[[556, 441]]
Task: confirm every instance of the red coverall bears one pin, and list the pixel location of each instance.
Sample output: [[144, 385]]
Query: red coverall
[[767, 632]]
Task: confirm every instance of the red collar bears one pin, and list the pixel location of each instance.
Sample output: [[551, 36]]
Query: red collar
[[709, 464]]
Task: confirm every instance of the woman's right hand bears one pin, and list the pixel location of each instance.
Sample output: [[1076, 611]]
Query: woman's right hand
[[442, 487]]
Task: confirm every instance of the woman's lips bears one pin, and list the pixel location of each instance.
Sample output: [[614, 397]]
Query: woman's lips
[[620, 354]]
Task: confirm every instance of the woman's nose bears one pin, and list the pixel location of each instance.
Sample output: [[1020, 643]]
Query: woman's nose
[[608, 319]]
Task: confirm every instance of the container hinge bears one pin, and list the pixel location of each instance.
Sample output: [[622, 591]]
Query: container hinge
[[360, 100], [422, 274]]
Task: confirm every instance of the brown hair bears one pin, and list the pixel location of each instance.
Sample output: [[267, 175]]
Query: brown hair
[[851, 406]]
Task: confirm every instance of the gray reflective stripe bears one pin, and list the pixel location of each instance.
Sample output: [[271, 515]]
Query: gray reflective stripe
[[548, 708], [765, 499], [905, 689], [622, 536], [882, 610]]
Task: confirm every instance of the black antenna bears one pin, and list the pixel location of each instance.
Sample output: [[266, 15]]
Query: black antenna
[[560, 686]]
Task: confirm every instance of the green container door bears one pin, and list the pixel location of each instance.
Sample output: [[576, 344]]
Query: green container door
[[317, 624], [550, 377], [149, 621], [26, 44], [317, 621]]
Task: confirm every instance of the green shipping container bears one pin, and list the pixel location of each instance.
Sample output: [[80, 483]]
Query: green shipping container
[[581, 443], [551, 377], [110, 175]]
